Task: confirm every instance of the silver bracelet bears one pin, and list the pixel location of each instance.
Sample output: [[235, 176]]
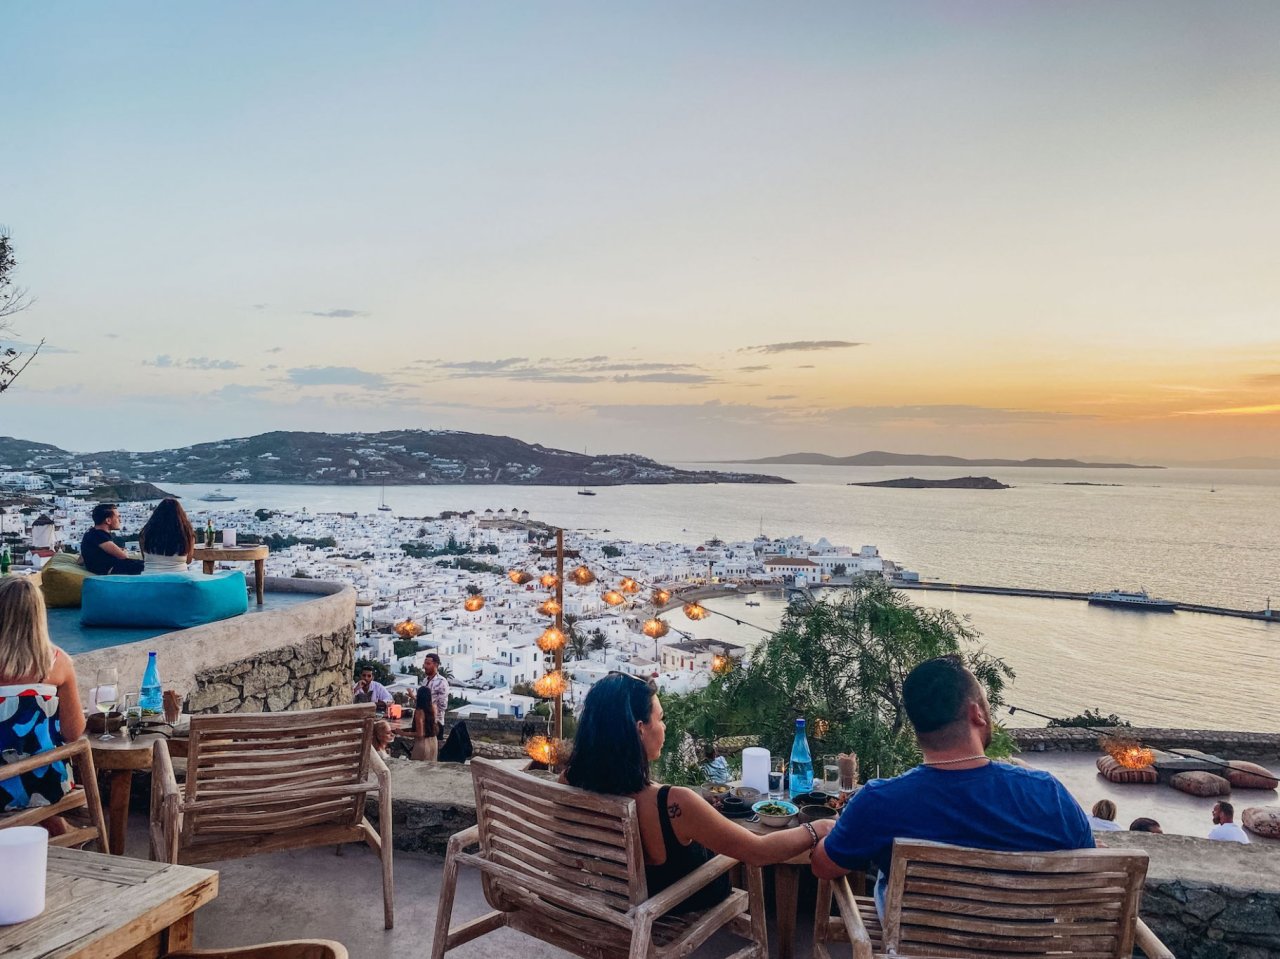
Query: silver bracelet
[[813, 834]]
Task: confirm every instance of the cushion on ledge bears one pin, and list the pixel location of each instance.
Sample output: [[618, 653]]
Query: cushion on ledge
[[1116, 773], [1200, 783], [1263, 820], [176, 600], [1245, 775], [61, 580]]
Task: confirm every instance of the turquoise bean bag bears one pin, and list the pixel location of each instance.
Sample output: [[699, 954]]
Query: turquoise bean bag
[[176, 600]]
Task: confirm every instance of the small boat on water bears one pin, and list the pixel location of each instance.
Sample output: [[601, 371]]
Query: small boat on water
[[217, 496], [751, 602], [586, 492], [1139, 600], [382, 505]]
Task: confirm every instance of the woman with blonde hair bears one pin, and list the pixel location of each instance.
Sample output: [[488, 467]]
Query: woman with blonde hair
[[39, 700], [167, 541]]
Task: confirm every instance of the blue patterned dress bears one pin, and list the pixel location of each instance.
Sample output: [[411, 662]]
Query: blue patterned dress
[[29, 725]]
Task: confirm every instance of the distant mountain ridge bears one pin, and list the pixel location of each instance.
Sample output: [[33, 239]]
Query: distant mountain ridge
[[395, 457], [882, 458]]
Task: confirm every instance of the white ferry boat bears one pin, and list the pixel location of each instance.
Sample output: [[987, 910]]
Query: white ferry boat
[[217, 496], [1138, 600]]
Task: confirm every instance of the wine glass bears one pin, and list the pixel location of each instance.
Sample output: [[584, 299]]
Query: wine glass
[[106, 696]]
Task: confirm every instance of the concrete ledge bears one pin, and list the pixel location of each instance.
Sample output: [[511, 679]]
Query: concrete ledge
[[1227, 744]]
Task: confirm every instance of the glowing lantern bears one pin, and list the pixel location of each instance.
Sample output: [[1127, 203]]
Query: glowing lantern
[[551, 640], [473, 604], [519, 577], [541, 750], [629, 585], [408, 629], [696, 611], [549, 580], [583, 576], [551, 685], [613, 597], [656, 628], [549, 607], [1128, 753], [721, 663], [661, 597]]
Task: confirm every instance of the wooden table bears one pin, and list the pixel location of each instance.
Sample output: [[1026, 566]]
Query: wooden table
[[109, 907], [120, 758], [237, 554]]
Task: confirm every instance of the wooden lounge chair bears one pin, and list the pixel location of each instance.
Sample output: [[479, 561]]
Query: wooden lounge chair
[[957, 902], [84, 796], [565, 866], [262, 782], [293, 949]]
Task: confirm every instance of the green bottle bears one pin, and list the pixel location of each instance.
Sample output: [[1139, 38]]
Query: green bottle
[[5, 561], [208, 533]]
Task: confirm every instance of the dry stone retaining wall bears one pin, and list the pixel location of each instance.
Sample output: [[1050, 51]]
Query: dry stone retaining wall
[[1228, 744], [305, 675]]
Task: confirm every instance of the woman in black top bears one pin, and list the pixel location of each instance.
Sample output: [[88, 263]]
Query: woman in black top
[[621, 731]]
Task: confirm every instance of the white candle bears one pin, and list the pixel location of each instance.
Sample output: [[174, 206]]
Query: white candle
[[229, 536], [24, 862], [755, 768]]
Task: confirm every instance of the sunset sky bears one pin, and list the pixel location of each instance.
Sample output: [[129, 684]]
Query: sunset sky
[[690, 230]]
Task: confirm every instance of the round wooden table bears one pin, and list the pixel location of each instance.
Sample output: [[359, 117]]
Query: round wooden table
[[237, 554], [120, 757]]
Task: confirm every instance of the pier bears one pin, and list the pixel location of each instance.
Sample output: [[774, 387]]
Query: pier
[[1265, 615]]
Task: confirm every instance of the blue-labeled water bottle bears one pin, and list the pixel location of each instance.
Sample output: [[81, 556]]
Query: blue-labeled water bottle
[[151, 696], [801, 762]]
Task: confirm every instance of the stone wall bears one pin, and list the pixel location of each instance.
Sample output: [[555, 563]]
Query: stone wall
[[1209, 900], [501, 730], [1254, 747], [291, 657]]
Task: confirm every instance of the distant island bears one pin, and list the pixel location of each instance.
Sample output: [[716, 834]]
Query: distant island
[[962, 482], [128, 491], [881, 458], [392, 458]]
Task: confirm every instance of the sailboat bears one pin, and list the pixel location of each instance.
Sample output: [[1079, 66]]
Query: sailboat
[[383, 504], [585, 491]]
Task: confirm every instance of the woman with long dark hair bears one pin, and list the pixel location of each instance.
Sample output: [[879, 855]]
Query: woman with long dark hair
[[168, 542], [619, 734], [425, 745]]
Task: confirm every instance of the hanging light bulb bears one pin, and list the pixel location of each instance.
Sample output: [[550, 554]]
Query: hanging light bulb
[[549, 580], [661, 596], [582, 576], [696, 611], [656, 628], [541, 750], [549, 607], [519, 576], [408, 629], [551, 640], [613, 597], [473, 604], [551, 685], [628, 585]]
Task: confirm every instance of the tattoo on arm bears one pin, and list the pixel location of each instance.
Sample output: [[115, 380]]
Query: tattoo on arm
[[673, 810]]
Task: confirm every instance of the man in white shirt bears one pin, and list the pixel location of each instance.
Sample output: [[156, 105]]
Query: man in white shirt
[[439, 687], [369, 690], [1224, 827]]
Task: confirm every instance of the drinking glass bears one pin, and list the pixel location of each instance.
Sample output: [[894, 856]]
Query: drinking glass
[[775, 783], [831, 776], [106, 696]]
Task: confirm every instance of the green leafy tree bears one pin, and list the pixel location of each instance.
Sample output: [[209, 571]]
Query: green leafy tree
[[1088, 718], [841, 665], [404, 648], [381, 673], [598, 642], [610, 551]]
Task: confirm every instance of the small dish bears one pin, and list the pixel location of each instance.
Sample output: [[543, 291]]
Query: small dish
[[712, 790], [814, 813], [747, 794], [767, 810], [815, 797]]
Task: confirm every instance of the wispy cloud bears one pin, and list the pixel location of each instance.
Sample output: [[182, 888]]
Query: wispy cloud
[[801, 346], [165, 361], [781, 396], [336, 376], [340, 313], [1262, 410], [276, 349], [584, 369], [22, 347], [752, 369], [1265, 379], [239, 391]]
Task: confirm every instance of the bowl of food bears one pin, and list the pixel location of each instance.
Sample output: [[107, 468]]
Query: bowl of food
[[747, 794], [814, 798], [775, 812], [814, 813], [712, 790]]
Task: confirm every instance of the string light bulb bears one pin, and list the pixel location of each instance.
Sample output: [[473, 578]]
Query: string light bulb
[[629, 585], [656, 628], [551, 640], [473, 604], [661, 596], [583, 576], [696, 611], [549, 581], [613, 597], [519, 576], [549, 607], [408, 629], [551, 685]]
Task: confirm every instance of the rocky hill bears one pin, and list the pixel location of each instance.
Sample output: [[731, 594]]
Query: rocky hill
[[960, 482], [882, 458], [398, 457]]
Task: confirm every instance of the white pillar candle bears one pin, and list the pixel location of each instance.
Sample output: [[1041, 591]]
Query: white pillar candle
[[229, 536], [24, 862], [755, 768]]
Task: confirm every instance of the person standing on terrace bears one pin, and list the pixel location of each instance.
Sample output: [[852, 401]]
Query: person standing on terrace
[[620, 733], [957, 795], [99, 553], [439, 687], [167, 541], [39, 700]]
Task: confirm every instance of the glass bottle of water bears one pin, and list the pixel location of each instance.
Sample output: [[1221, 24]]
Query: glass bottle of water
[[801, 762], [151, 695]]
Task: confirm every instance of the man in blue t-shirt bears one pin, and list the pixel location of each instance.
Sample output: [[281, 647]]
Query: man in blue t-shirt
[[957, 795]]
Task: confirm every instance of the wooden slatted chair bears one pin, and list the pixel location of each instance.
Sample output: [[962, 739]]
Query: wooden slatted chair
[[263, 782], [970, 903], [85, 796], [565, 866]]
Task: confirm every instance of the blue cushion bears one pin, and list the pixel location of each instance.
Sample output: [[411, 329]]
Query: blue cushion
[[178, 600]]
